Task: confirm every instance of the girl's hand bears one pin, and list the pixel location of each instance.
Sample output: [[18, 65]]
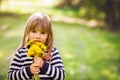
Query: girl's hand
[[47, 56], [39, 62], [34, 68]]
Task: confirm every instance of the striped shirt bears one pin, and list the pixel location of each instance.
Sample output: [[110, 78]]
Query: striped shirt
[[51, 70]]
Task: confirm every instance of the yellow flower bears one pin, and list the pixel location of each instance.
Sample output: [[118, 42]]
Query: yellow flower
[[36, 49]]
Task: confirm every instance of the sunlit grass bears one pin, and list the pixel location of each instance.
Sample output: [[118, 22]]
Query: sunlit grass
[[86, 51]]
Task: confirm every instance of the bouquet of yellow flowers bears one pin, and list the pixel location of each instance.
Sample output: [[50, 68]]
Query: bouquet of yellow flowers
[[36, 49]]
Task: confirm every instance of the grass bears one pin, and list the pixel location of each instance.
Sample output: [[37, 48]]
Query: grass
[[88, 54]]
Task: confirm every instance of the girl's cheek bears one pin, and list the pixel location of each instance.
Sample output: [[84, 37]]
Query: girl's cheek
[[32, 36], [45, 39]]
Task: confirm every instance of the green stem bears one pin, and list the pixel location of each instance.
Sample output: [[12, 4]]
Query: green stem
[[36, 77]]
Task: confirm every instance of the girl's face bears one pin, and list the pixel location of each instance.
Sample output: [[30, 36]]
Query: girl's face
[[38, 36]]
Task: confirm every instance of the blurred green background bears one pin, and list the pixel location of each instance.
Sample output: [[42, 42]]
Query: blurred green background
[[87, 35]]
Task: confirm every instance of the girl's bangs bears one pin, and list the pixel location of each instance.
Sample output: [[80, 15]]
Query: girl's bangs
[[42, 28], [39, 27]]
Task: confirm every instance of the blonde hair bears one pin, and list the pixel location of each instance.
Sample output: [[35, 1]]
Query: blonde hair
[[42, 22]]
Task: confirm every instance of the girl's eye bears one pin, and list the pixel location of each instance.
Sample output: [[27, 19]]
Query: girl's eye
[[42, 33], [34, 31]]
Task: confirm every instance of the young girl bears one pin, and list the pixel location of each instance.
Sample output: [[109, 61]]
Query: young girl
[[50, 67]]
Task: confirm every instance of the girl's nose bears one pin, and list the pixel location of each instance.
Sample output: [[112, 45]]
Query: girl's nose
[[37, 35]]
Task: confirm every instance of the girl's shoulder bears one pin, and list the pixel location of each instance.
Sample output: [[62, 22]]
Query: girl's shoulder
[[22, 50], [54, 49]]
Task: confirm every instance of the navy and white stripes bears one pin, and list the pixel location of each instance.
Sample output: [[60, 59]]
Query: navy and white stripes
[[20, 67]]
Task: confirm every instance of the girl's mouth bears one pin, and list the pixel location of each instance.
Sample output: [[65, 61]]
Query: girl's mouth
[[37, 40]]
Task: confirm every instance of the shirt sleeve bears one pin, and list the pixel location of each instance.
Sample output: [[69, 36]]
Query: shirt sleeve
[[54, 69], [16, 72]]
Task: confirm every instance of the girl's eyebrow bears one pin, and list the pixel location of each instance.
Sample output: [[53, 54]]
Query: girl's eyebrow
[[38, 31]]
